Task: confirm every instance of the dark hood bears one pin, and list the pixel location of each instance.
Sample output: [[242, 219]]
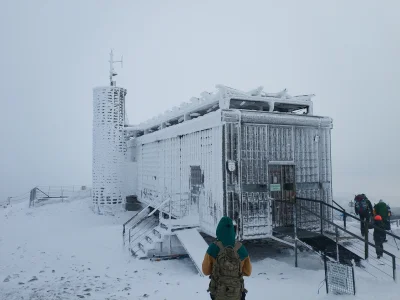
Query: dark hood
[[226, 231]]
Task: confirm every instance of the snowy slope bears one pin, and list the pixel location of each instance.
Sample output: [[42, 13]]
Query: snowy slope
[[64, 251]]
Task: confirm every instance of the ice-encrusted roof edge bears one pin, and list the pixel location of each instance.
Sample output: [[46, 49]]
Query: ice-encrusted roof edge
[[220, 98]]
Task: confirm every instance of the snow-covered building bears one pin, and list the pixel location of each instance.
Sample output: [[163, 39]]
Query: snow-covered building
[[229, 153], [246, 155]]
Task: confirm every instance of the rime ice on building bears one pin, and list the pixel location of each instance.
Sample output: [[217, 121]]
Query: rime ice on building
[[109, 146], [229, 153]]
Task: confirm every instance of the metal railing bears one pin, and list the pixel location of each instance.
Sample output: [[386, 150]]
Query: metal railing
[[170, 205], [45, 193], [40, 194], [310, 209]]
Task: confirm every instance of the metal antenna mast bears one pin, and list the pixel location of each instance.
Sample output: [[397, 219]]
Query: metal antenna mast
[[112, 71]]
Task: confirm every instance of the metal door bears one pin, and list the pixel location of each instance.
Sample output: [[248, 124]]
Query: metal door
[[282, 187]]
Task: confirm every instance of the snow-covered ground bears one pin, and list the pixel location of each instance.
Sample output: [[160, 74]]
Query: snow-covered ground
[[64, 251]]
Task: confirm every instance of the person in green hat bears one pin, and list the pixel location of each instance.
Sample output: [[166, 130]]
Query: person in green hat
[[226, 261], [382, 210]]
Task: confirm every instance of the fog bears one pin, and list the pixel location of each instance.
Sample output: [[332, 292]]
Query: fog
[[54, 52]]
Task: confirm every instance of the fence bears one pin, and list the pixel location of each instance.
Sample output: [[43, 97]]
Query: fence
[[42, 194]]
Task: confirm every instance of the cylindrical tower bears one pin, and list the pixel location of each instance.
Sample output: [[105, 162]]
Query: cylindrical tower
[[109, 148]]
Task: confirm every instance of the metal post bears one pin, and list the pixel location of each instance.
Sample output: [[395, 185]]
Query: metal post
[[170, 225], [295, 234], [394, 267], [337, 243], [366, 239], [326, 273], [123, 234], [344, 219], [354, 280], [320, 216]]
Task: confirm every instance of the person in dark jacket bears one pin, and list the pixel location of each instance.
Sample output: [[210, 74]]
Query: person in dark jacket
[[388, 227], [363, 208], [226, 239], [382, 210], [379, 235]]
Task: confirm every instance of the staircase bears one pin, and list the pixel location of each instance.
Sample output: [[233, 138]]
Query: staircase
[[151, 233], [330, 230]]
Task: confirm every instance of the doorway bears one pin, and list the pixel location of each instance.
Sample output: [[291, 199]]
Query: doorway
[[282, 187]]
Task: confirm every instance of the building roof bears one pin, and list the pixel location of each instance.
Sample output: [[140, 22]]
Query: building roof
[[226, 98]]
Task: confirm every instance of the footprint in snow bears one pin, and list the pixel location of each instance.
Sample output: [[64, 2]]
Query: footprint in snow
[[34, 278], [7, 279]]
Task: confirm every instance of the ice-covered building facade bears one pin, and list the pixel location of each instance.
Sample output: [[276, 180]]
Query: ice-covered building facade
[[229, 153]]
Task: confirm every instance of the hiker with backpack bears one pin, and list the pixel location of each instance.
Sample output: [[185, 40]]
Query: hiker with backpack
[[379, 235], [388, 227], [382, 210], [226, 261], [363, 208]]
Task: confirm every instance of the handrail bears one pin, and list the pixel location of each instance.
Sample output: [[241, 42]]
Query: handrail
[[134, 216], [42, 191], [159, 206], [357, 237], [333, 201], [343, 229], [349, 215]]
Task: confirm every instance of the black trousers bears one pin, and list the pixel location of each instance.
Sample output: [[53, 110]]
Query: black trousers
[[387, 224], [379, 247]]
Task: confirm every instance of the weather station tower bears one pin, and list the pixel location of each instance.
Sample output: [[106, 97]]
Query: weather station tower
[[109, 148]]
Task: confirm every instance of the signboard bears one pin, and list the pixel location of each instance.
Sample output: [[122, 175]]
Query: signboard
[[340, 278], [275, 187]]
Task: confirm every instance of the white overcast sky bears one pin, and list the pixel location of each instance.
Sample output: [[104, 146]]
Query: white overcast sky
[[53, 53]]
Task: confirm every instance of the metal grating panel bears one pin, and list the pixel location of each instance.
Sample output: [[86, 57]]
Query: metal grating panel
[[254, 155], [306, 155], [165, 171], [280, 143], [256, 214]]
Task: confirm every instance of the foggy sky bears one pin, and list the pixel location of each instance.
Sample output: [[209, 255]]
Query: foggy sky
[[53, 53]]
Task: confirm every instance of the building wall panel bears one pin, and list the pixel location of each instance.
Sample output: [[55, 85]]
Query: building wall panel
[[164, 169]]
